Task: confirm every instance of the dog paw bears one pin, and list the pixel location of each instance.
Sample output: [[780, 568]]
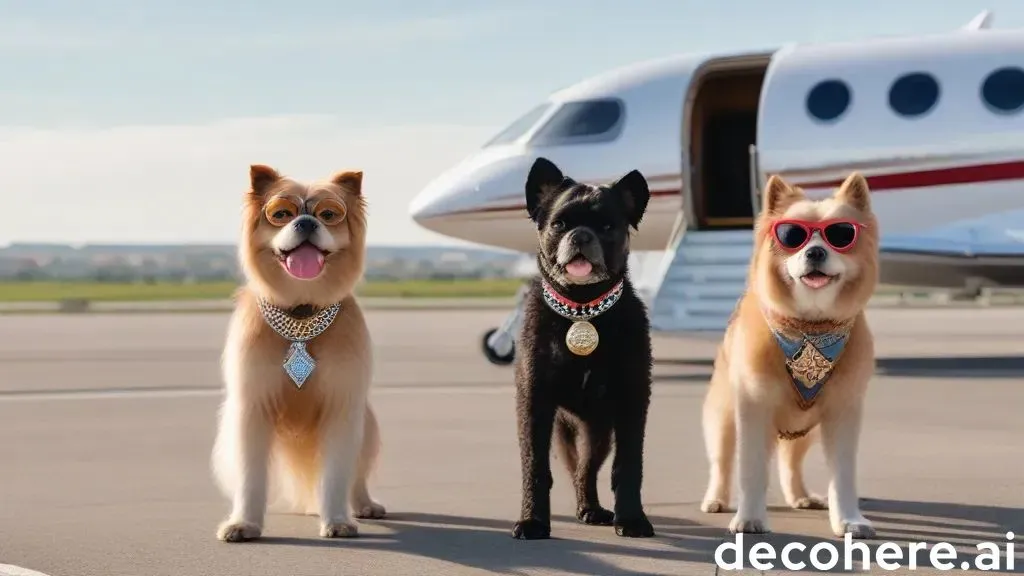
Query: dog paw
[[231, 531], [857, 529], [639, 527], [811, 502], [372, 510], [595, 516], [713, 506], [338, 530], [531, 530], [748, 525]]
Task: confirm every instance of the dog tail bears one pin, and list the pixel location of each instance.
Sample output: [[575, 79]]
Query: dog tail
[[295, 476]]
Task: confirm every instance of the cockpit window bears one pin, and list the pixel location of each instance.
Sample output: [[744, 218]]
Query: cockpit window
[[521, 126], [579, 122]]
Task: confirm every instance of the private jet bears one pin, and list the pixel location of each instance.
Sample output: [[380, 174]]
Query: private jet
[[935, 122]]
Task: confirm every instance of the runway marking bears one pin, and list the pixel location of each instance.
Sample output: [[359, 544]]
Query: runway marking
[[12, 570]]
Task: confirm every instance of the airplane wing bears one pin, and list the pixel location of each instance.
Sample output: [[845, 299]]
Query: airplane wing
[[995, 236]]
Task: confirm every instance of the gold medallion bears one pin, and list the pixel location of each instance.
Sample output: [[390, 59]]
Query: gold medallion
[[581, 338]]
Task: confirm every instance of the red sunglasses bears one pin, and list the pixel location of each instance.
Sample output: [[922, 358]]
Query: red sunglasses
[[840, 234]]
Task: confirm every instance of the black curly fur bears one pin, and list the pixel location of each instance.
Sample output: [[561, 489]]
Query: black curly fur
[[584, 402]]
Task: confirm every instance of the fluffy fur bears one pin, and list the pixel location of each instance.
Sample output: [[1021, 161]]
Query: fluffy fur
[[583, 401], [751, 400], [311, 449]]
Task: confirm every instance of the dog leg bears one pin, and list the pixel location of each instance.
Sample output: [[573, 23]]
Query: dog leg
[[242, 450], [627, 470], [755, 441], [364, 504], [791, 475], [720, 443], [536, 412], [840, 437], [595, 445], [340, 445]]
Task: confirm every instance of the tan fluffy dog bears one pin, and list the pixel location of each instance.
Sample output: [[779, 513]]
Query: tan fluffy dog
[[803, 282], [312, 447]]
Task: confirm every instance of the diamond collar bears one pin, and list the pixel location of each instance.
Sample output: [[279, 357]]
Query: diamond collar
[[295, 329], [581, 311]]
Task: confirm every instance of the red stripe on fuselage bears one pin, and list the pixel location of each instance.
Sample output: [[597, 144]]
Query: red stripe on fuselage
[[518, 207], [977, 174], [974, 174]]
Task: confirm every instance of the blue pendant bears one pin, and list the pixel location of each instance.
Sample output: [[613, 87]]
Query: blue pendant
[[299, 364]]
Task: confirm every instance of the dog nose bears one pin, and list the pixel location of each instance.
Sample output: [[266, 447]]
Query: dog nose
[[305, 225], [582, 236], [816, 254]]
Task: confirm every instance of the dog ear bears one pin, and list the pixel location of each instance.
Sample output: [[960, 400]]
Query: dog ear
[[261, 177], [351, 180], [855, 192], [778, 195], [544, 178], [635, 193]]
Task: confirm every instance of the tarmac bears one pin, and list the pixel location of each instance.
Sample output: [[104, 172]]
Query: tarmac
[[107, 420]]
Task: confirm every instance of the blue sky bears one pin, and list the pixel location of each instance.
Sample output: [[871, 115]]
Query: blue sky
[[135, 121]]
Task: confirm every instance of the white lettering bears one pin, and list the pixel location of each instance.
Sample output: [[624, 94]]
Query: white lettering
[[886, 552], [948, 553], [737, 547], [991, 556], [832, 552], [850, 546], [762, 551], [1009, 552], [789, 564], [916, 547]]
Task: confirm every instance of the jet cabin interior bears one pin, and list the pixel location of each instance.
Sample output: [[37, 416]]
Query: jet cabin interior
[[722, 120]]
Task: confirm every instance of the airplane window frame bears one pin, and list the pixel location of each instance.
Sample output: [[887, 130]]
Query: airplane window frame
[[569, 112], [521, 126], [984, 91], [819, 96], [908, 86]]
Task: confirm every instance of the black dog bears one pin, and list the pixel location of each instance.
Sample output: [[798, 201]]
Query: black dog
[[566, 387]]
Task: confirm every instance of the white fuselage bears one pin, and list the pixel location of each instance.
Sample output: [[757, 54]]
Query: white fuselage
[[936, 123]]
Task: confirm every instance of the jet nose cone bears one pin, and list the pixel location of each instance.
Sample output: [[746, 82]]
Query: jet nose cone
[[487, 178]]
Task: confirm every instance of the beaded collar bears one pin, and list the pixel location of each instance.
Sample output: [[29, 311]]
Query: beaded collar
[[581, 311], [582, 338]]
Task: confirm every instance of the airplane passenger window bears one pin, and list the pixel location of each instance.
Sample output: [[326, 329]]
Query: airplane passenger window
[[914, 94], [520, 126], [588, 121], [828, 100], [1003, 90]]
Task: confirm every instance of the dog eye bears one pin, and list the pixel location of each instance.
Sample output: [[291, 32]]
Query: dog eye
[[558, 225], [327, 215], [606, 228]]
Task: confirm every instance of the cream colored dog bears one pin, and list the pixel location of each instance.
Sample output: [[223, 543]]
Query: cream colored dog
[[302, 250], [797, 357]]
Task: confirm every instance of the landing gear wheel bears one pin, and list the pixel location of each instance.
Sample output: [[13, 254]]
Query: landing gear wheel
[[492, 356]]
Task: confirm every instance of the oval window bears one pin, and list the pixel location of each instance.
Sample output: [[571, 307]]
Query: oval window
[[914, 94], [828, 100], [1003, 90]]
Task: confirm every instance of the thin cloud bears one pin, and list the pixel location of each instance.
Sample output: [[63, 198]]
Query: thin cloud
[[185, 183], [29, 34]]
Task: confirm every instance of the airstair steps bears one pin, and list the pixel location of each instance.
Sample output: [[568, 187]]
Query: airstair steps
[[704, 276]]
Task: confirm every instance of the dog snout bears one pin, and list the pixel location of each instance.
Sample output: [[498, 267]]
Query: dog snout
[[581, 236], [305, 225], [816, 254]]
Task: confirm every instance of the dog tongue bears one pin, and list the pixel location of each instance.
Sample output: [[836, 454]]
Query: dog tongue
[[815, 280], [579, 267], [305, 262]]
